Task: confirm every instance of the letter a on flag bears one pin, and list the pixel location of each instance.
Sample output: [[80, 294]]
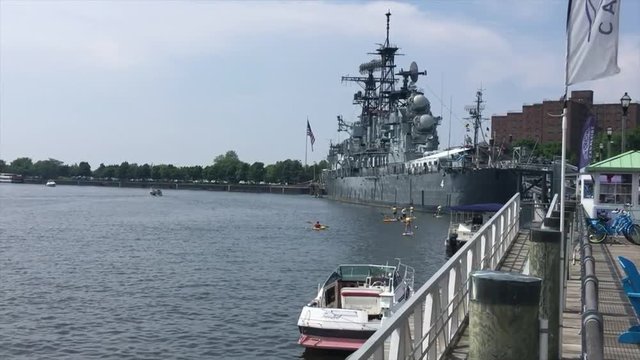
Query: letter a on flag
[[310, 135], [592, 39]]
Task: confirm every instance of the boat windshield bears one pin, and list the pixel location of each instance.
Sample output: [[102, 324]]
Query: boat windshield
[[362, 272]]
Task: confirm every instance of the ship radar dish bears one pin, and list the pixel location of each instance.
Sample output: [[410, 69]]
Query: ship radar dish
[[413, 72]]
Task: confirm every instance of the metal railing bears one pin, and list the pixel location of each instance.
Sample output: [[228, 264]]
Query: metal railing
[[592, 322], [440, 306]]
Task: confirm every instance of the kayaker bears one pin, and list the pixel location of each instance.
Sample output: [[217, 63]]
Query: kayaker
[[438, 210], [317, 225], [407, 226]]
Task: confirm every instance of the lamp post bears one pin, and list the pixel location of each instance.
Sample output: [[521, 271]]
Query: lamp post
[[600, 151], [625, 100], [609, 132]]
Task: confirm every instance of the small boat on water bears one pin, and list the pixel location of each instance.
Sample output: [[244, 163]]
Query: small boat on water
[[321, 227], [465, 221], [352, 304], [155, 192], [50, 183]]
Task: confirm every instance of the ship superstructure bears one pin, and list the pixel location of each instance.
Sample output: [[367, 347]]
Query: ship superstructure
[[395, 124], [392, 152]]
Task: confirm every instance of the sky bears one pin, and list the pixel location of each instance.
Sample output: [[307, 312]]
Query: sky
[[181, 82]]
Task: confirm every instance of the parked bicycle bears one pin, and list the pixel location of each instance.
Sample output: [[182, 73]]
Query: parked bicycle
[[599, 228]]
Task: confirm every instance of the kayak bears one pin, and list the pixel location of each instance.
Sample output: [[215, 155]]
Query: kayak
[[410, 233], [389, 220], [322, 227]]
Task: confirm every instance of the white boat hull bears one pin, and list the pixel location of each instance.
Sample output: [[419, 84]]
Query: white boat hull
[[337, 329]]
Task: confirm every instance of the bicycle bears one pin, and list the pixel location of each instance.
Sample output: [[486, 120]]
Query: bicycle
[[599, 228]]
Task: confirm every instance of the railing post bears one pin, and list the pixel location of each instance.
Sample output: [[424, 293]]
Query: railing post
[[544, 262], [503, 316]]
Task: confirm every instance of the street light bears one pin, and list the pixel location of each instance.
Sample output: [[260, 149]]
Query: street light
[[625, 100], [609, 132], [600, 151]]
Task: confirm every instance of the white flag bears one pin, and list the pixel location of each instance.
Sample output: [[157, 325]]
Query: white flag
[[592, 39]]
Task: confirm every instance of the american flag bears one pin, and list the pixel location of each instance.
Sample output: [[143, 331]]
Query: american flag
[[310, 135]]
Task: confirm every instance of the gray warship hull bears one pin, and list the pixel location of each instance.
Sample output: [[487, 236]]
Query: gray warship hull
[[425, 191]]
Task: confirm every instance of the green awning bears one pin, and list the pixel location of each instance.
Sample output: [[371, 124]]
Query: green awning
[[627, 162]]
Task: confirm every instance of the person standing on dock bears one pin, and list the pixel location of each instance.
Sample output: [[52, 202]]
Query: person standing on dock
[[403, 213], [394, 212]]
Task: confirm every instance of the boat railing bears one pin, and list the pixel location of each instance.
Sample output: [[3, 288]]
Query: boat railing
[[431, 320]]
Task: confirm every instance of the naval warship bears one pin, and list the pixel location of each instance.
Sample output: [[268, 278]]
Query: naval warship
[[392, 154]]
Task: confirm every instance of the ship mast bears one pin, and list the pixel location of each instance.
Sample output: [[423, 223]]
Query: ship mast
[[475, 112]]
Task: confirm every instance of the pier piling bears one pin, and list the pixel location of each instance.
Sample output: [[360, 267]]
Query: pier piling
[[544, 262], [503, 316]]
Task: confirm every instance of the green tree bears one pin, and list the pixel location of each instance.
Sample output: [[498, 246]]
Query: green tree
[[192, 172], [84, 169], [48, 169], [3, 166], [227, 167], [256, 172], [23, 166], [271, 174], [123, 171], [99, 172], [144, 172], [550, 150]]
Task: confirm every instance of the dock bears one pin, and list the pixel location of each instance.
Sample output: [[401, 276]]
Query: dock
[[433, 324]]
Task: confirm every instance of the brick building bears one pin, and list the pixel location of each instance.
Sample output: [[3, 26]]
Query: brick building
[[535, 123]]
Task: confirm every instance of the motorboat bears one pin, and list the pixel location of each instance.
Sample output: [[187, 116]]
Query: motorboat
[[352, 304], [465, 221], [155, 192], [50, 183]]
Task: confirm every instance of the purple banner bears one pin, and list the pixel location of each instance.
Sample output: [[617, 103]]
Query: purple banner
[[588, 132]]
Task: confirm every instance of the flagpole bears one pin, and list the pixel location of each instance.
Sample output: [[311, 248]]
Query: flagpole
[[306, 143]]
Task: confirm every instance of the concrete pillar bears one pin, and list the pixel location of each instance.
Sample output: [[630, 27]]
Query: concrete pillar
[[503, 316], [544, 262]]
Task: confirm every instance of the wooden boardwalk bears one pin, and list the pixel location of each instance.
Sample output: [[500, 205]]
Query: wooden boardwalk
[[613, 303], [616, 310]]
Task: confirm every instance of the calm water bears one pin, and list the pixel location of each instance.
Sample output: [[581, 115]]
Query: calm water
[[89, 272]]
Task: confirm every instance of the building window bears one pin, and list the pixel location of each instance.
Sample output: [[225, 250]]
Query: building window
[[615, 188]]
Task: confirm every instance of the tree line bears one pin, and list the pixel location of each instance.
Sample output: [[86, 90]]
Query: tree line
[[550, 150], [227, 168]]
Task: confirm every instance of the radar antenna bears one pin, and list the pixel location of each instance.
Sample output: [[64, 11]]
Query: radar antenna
[[475, 112], [412, 74]]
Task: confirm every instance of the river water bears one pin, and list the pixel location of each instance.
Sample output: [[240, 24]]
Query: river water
[[91, 272]]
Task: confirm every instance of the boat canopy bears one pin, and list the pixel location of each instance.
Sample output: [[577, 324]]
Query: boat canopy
[[487, 207], [361, 272]]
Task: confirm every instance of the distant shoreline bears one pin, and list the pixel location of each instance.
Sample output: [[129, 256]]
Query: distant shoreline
[[248, 188]]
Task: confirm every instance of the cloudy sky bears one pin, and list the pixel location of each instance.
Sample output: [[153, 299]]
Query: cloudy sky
[[180, 82]]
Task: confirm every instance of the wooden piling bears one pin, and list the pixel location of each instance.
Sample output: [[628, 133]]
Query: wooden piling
[[544, 262], [503, 316]]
